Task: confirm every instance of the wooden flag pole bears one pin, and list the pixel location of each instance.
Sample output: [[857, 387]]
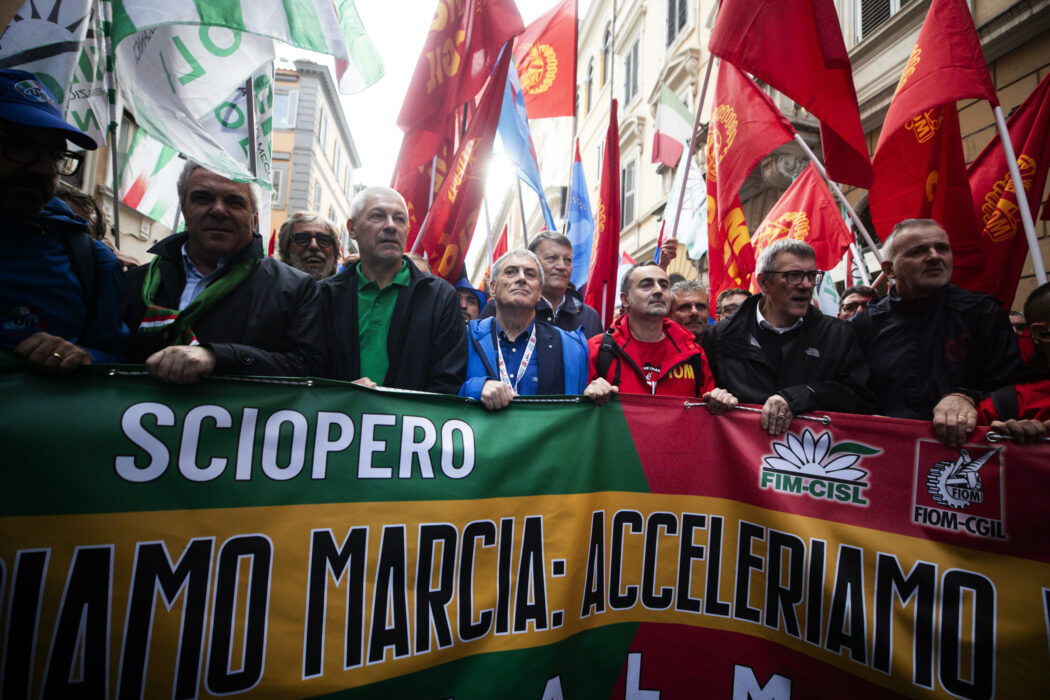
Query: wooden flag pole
[[1022, 197], [841, 197]]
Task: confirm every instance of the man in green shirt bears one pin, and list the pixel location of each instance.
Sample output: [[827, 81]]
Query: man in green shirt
[[390, 324]]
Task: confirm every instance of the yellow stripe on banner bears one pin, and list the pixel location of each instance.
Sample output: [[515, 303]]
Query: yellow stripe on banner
[[514, 573]]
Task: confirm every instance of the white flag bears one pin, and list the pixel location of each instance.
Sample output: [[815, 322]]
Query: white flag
[[692, 231]]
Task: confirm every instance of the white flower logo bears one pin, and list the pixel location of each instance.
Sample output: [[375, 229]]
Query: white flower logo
[[816, 457]]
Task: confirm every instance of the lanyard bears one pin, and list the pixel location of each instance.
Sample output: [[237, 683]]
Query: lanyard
[[525, 357]]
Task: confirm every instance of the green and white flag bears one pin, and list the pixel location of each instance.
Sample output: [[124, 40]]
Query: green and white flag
[[826, 297], [148, 178], [692, 230], [325, 26]]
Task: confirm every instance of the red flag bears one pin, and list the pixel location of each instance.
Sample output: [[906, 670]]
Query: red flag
[[806, 212], [745, 126], [450, 224], [605, 251], [462, 46], [1002, 245], [546, 57], [796, 47], [920, 169], [272, 243], [418, 183]]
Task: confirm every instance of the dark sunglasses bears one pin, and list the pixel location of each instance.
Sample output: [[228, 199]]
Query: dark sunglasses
[[852, 305], [303, 238]]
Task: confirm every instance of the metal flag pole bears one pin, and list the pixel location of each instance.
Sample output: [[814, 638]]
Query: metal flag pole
[[690, 145], [249, 96], [521, 210], [1022, 197], [111, 90], [861, 267]]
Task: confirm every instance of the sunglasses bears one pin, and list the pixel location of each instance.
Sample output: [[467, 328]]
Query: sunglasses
[[303, 238], [854, 305]]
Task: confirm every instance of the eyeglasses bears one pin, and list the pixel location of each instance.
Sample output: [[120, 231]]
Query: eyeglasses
[[25, 150], [854, 305], [303, 238], [795, 276], [728, 309]]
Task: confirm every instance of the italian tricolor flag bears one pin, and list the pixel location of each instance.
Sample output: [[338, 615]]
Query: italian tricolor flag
[[674, 126], [147, 181]]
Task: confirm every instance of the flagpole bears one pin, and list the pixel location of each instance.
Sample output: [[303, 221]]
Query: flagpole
[[861, 267], [689, 146], [521, 210], [841, 197], [572, 140], [249, 110], [1022, 197], [488, 226], [111, 90]]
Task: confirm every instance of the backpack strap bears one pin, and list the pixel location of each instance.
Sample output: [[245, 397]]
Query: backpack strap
[[1004, 400], [607, 351], [83, 258]]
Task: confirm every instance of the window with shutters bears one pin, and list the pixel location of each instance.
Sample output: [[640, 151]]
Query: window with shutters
[[627, 193], [677, 15], [606, 54], [872, 14], [630, 87]]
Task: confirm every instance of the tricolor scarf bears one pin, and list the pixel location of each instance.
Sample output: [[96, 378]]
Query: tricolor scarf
[[158, 318]]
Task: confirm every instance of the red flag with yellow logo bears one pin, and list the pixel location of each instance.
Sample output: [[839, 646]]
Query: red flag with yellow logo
[[417, 183], [920, 170], [605, 249], [546, 57], [806, 212], [461, 47], [745, 126], [450, 224], [796, 47], [1002, 245]]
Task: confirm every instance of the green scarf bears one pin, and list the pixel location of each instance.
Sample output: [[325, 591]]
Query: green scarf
[[159, 318]]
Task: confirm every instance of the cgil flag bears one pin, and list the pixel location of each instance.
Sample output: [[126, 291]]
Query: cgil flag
[[516, 141], [920, 168], [1003, 246], [674, 127], [796, 47], [580, 229], [450, 223], [601, 282], [546, 57], [806, 212], [331, 27], [745, 126]]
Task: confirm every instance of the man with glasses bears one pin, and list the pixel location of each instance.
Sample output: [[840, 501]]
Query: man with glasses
[[855, 299], [728, 302], [779, 351], [211, 302], [309, 242], [60, 290]]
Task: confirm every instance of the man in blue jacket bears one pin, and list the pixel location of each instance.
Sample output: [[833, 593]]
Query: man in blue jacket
[[514, 354]]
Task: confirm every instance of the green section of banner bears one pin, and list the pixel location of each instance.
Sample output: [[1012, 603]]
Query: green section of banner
[[514, 674], [128, 444]]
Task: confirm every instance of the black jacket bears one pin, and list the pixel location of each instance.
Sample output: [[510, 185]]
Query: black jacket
[[822, 368], [920, 350], [427, 343], [574, 314], [269, 325]]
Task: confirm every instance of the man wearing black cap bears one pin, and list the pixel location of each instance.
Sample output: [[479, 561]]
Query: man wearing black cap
[[60, 290]]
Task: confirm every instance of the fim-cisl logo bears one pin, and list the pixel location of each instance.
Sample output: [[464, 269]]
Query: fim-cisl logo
[[962, 493], [815, 467]]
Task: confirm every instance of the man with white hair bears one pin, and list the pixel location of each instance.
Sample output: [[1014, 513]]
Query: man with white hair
[[389, 323], [781, 352], [211, 302], [513, 353], [309, 242]]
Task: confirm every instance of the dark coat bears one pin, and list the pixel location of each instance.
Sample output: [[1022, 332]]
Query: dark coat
[[427, 344], [270, 325], [920, 350], [822, 367]]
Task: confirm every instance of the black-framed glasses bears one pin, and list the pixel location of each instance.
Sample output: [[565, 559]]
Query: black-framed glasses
[[854, 305], [303, 238], [23, 149], [796, 276]]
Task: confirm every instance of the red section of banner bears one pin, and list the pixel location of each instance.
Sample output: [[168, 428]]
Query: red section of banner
[[545, 54], [911, 484], [1002, 247], [454, 214], [605, 251], [796, 47]]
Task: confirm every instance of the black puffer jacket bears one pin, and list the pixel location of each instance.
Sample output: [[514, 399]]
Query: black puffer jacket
[[269, 325], [920, 350], [427, 344], [822, 368]]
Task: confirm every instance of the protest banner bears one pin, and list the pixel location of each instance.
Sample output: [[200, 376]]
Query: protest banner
[[307, 537]]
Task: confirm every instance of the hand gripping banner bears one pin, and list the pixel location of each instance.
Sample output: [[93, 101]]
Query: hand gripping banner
[[306, 538]]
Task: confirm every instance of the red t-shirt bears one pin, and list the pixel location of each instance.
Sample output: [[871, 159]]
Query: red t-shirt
[[653, 359]]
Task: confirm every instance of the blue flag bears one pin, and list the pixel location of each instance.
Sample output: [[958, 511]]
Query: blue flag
[[581, 225], [517, 141]]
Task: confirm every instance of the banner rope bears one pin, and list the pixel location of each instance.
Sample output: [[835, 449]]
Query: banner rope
[[229, 378], [823, 420]]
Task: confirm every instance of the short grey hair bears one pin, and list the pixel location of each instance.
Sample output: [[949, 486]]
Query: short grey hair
[[497, 267], [768, 258], [890, 244], [625, 281], [357, 204], [188, 170], [552, 236], [284, 235], [688, 287]]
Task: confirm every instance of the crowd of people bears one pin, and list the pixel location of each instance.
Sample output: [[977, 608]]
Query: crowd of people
[[210, 302]]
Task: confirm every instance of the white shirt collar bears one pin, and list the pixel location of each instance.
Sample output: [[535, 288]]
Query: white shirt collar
[[763, 323]]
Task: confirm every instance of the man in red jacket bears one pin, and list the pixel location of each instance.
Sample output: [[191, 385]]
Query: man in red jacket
[[646, 353]]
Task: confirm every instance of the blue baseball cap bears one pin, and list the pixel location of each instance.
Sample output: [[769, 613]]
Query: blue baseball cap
[[26, 101]]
